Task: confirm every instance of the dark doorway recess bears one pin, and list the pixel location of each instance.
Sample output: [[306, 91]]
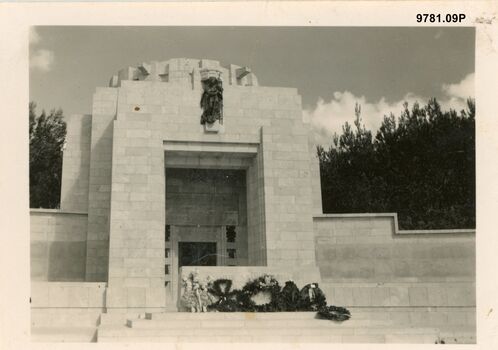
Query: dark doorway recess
[[197, 254]]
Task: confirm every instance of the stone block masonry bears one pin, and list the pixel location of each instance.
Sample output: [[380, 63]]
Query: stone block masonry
[[99, 195], [75, 164], [280, 227], [136, 232], [365, 261], [58, 245]]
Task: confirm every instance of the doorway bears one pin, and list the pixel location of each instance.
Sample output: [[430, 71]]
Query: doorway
[[197, 254]]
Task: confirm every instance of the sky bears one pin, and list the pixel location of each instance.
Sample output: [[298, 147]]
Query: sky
[[332, 67]]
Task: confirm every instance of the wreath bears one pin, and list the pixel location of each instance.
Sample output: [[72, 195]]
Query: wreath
[[334, 313], [265, 285], [219, 296], [227, 301], [289, 297], [312, 298]]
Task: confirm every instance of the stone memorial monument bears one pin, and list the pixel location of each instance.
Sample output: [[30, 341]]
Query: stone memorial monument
[[186, 165]]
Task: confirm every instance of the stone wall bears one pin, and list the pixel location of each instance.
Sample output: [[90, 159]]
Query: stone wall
[[58, 245], [136, 242], [365, 260], [316, 184], [288, 194], [205, 197], [76, 164], [68, 295], [201, 203], [256, 239], [99, 196]]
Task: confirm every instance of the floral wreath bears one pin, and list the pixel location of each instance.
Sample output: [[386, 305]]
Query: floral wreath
[[289, 299], [264, 284], [334, 313], [312, 298], [219, 296], [221, 289]]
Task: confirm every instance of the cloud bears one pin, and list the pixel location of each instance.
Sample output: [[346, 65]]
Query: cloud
[[456, 95], [463, 89], [42, 59], [328, 117]]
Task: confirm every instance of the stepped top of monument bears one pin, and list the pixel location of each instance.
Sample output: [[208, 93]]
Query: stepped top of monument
[[185, 71]]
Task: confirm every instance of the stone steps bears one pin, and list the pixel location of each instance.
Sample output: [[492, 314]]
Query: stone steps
[[303, 335], [221, 329], [371, 325], [419, 316], [383, 316], [254, 323], [372, 339], [230, 316], [64, 334], [367, 325], [64, 324]]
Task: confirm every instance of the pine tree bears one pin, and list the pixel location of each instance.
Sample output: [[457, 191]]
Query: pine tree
[[420, 165]]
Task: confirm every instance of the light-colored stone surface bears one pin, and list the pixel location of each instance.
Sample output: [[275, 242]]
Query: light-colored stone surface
[[256, 227], [374, 325], [151, 112], [66, 311], [402, 294], [183, 71], [84, 295], [367, 249], [64, 334], [58, 245], [137, 216], [76, 164], [364, 261], [389, 325], [99, 196]]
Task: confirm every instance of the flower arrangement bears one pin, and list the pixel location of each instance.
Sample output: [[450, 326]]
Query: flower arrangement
[[312, 298], [262, 294], [259, 288], [226, 297], [196, 296], [289, 298], [334, 313]]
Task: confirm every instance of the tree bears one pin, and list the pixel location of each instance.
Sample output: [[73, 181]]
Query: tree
[[421, 165], [46, 138], [346, 168]]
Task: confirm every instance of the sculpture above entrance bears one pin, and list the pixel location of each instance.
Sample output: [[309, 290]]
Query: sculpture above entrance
[[212, 96]]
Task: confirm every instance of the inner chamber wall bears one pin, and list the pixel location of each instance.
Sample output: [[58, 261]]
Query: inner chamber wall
[[209, 205]]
